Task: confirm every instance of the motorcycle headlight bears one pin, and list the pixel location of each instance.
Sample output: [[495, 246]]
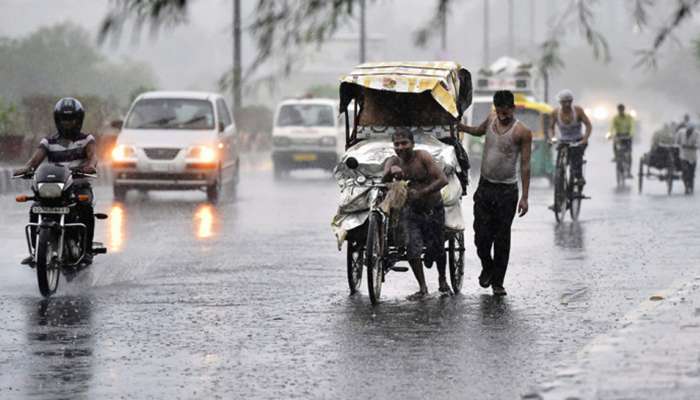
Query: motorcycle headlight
[[50, 190], [327, 141], [123, 153], [202, 154]]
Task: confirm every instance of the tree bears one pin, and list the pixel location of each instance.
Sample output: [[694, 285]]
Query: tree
[[63, 60], [280, 27]]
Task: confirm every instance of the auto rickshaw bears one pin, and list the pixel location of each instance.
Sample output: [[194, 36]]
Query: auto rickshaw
[[428, 98]]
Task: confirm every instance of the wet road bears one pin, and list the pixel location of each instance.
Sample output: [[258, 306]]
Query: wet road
[[249, 298]]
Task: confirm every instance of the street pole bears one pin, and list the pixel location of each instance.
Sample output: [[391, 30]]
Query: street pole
[[511, 30], [363, 38], [486, 48], [236, 81], [532, 23], [443, 33]]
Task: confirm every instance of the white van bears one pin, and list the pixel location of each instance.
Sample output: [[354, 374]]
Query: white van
[[307, 133], [177, 141]]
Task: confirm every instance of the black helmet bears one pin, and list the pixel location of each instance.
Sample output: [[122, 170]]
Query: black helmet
[[68, 114]]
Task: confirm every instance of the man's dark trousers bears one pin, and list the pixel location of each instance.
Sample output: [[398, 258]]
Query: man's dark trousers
[[494, 210]]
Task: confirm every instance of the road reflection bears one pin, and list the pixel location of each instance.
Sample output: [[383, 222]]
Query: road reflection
[[116, 228], [570, 235], [60, 342], [125, 220], [205, 221]]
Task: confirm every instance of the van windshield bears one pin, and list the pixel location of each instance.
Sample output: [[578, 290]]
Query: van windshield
[[171, 114], [305, 115]]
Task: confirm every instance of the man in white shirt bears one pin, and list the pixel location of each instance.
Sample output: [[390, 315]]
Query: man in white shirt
[[688, 139]]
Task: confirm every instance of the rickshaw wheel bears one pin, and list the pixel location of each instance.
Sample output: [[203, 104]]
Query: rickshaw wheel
[[456, 259], [640, 175], [355, 263], [374, 257]]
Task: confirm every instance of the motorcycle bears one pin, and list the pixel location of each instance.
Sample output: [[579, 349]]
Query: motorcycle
[[57, 241]]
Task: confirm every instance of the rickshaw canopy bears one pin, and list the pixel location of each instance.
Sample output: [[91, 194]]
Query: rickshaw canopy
[[447, 83]]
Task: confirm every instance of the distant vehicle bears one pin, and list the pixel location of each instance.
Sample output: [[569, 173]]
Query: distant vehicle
[[177, 141], [474, 116], [504, 74], [307, 133]]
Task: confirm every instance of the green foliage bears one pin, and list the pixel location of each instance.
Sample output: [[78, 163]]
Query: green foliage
[[138, 91], [10, 119], [62, 59], [40, 108]]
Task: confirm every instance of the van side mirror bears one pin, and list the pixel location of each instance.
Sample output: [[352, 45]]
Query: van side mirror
[[117, 124], [221, 127]]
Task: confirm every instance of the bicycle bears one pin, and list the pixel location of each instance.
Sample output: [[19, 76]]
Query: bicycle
[[568, 192], [623, 159]]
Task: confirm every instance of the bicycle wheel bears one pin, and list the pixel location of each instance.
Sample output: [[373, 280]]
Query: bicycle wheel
[[560, 182], [374, 253], [575, 208], [355, 263], [620, 171], [46, 273], [640, 176], [456, 259]]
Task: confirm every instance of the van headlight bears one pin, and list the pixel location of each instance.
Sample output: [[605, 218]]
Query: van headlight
[[50, 190], [328, 141], [201, 154], [123, 153]]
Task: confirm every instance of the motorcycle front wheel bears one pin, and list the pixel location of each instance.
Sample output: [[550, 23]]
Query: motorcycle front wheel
[[46, 272]]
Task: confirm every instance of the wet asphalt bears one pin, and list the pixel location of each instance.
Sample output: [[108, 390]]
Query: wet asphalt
[[249, 298]]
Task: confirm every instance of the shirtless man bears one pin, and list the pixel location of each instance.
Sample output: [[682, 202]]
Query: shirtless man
[[424, 213], [496, 198]]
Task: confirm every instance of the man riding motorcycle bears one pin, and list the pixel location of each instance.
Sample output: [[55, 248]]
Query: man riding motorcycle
[[74, 149]]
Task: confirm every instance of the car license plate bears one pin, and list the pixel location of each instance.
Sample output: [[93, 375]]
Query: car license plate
[[49, 210], [160, 167], [304, 157]]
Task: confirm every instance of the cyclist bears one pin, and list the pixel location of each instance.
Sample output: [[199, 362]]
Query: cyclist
[[569, 119], [621, 131]]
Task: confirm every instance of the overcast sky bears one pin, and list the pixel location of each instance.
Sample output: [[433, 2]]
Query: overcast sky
[[195, 55]]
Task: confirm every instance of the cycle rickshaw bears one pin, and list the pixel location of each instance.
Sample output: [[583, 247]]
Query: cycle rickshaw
[[663, 163], [429, 99]]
